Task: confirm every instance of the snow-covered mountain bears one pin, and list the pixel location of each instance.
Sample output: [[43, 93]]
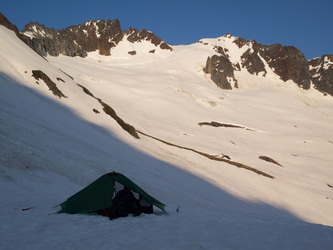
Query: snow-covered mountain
[[250, 167], [236, 53]]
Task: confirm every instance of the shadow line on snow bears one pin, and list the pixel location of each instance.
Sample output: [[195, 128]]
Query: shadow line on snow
[[134, 132], [169, 183]]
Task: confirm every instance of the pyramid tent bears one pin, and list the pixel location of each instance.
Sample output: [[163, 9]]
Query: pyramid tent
[[99, 194]]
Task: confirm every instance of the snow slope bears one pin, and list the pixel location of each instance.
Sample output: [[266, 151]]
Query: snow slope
[[52, 147]]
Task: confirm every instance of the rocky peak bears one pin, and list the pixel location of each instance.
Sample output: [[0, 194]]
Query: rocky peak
[[239, 41], [97, 35], [285, 61], [251, 59], [36, 30], [143, 35], [321, 73], [77, 40], [74, 40]]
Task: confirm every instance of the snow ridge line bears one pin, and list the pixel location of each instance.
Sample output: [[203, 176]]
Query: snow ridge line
[[212, 157]]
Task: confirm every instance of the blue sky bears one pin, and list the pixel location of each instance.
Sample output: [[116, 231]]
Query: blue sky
[[307, 25]]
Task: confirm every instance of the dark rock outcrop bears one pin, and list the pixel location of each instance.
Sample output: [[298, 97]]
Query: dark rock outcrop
[[268, 159], [240, 42], [74, 40], [5, 22], [112, 113], [38, 74], [222, 51], [251, 60], [321, 73], [288, 63], [137, 36], [48, 41], [222, 72], [78, 40], [219, 124], [285, 61]]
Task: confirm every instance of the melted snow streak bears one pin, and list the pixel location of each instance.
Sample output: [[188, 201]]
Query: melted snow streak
[[212, 157]]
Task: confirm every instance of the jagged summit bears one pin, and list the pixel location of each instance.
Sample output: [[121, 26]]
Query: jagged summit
[[101, 35]]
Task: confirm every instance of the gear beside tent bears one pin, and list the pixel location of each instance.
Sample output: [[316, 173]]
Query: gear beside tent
[[98, 196]]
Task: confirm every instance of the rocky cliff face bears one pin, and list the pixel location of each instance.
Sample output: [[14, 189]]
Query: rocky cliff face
[[321, 73], [222, 72], [74, 40], [143, 35], [47, 41], [286, 61], [78, 40], [251, 59]]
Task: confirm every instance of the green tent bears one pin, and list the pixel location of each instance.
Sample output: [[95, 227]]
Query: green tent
[[99, 194]]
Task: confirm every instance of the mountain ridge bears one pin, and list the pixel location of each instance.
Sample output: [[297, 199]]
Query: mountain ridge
[[287, 62], [78, 40]]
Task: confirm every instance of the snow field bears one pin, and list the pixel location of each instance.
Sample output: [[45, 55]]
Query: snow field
[[51, 148]]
